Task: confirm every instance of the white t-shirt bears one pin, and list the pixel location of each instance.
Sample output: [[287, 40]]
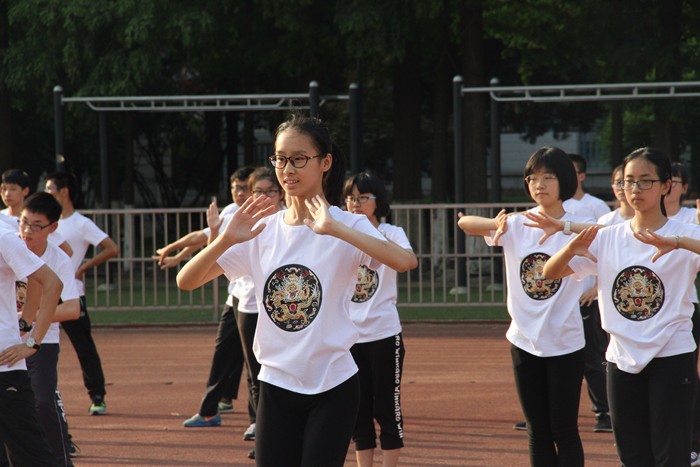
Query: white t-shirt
[[644, 306], [686, 215], [243, 289], [80, 232], [373, 307], [15, 261], [611, 218], [59, 262], [546, 320], [9, 221], [591, 207], [304, 282]]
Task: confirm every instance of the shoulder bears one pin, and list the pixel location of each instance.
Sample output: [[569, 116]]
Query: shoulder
[[392, 232]]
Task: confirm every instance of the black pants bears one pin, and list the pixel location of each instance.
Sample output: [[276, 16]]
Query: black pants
[[652, 411], [381, 368], [20, 431], [696, 411], [247, 322], [226, 364], [79, 332], [596, 345], [305, 430], [550, 391]]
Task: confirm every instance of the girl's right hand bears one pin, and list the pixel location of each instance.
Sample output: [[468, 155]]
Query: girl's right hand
[[501, 225], [240, 228], [213, 219], [579, 245]]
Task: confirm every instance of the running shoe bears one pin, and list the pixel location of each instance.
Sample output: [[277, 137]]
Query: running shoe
[[98, 408], [249, 434], [225, 406], [520, 426], [197, 421]]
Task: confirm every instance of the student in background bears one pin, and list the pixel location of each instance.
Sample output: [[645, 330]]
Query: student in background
[[379, 351], [81, 233]]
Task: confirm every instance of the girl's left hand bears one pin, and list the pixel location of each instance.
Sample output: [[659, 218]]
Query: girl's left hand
[[547, 223], [663, 244], [322, 222]]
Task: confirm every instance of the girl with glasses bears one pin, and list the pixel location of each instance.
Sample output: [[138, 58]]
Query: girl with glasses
[[645, 281], [303, 261], [379, 351], [546, 331]]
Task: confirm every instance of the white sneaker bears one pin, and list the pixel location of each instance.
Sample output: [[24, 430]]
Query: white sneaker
[[249, 434], [694, 458]]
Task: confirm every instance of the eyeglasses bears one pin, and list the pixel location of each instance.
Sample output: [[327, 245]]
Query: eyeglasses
[[298, 161], [618, 185], [269, 193], [362, 199], [675, 183], [640, 184], [240, 189], [33, 227], [545, 179]]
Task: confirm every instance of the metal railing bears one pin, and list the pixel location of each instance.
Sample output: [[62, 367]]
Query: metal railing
[[444, 276]]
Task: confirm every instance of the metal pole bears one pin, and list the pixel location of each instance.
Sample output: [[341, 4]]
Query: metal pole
[[104, 161], [495, 147], [355, 128], [458, 112], [314, 99], [58, 126]]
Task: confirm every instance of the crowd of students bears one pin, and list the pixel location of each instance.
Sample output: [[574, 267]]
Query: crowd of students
[[311, 316]]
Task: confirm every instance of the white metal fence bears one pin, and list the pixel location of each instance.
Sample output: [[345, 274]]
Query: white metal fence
[[453, 270]]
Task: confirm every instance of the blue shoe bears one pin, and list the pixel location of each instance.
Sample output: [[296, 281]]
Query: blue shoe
[[197, 421]]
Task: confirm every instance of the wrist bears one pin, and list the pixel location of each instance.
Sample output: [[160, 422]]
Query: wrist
[[677, 239], [566, 227]]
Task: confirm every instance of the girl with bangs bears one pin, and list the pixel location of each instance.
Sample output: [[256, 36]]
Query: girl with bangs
[[546, 331]]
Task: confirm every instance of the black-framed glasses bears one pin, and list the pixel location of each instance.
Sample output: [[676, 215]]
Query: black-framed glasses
[[298, 161], [269, 193], [240, 188], [362, 199], [629, 185], [33, 227]]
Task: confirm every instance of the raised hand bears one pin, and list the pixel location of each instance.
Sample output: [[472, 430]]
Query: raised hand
[[213, 219], [501, 225], [240, 228], [663, 244], [579, 245], [543, 221], [322, 222]]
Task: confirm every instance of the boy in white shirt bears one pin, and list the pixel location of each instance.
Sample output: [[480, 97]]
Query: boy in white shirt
[[80, 233], [20, 431]]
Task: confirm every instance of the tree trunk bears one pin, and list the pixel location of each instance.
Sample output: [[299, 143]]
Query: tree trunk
[[407, 141], [474, 105], [441, 182]]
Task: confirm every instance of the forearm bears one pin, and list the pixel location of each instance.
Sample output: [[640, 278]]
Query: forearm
[[196, 239], [108, 250], [690, 244], [557, 266], [384, 251], [203, 267], [51, 287], [477, 225], [67, 311]]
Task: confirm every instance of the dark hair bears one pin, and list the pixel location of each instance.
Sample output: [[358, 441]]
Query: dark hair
[[557, 162], [617, 168], [315, 129], [65, 180], [368, 183], [656, 158], [264, 173], [579, 161], [680, 170], [17, 177], [43, 203], [241, 174]]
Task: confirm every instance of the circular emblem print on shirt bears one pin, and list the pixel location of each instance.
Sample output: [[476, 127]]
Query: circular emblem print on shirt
[[366, 285], [292, 297], [534, 284], [638, 293]]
